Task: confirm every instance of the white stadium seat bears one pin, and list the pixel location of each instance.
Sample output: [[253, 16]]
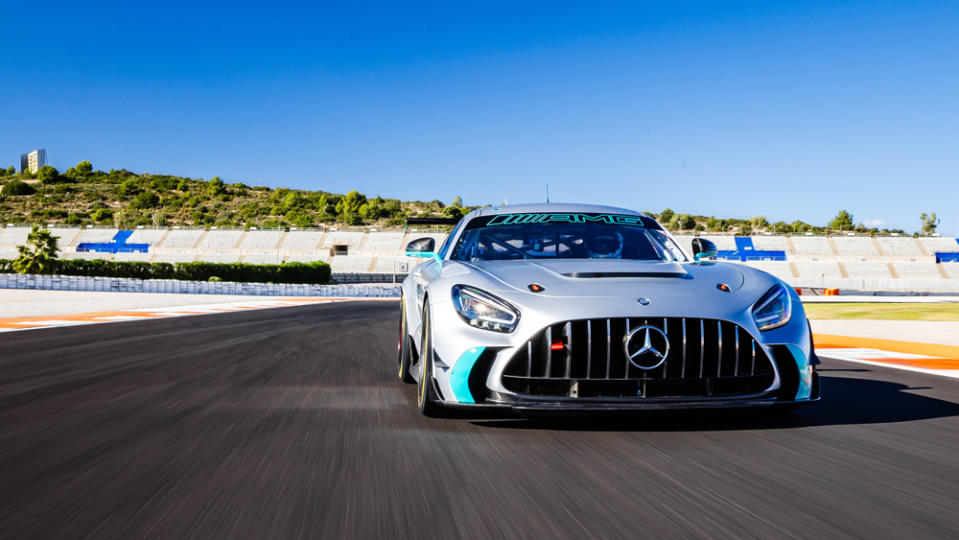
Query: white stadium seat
[[899, 245], [917, 270], [770, 243], [939, 244], [96, 235], [223, 258], [220, 240], [350, 265], [174, 257], [13, 236], [87, 255], [131, 256], [811, 245], [262, 240], [383, 243], [815, 269], [855, 245], [301, 241], [779, 269], [147, 236], [952, 269], [867, 270], [182, 238], [64, 236]]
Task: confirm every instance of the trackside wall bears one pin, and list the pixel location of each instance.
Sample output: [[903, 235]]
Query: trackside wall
[[82, 283]]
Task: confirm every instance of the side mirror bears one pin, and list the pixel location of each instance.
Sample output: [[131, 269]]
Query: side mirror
[[421, 247], [703, 249]]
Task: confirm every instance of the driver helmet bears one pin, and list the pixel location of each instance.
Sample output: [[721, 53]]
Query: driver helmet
[[605, 245]]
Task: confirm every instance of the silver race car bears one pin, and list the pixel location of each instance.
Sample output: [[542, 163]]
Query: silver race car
[[579, 307]]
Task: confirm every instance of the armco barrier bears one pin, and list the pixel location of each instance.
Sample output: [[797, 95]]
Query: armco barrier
[[81, 283], [368, 278]]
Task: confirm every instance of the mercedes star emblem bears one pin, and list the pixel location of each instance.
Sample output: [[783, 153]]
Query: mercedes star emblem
[[646, 347]]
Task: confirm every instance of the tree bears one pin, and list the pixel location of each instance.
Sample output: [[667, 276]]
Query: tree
[[47, 174], [666, 216], [453, 212], [39, 254], [759, 222], [457, 202], [216, 187], [129, 188], [348, 208], [842, 221], [11, 170], [84, 167], [929, 223]]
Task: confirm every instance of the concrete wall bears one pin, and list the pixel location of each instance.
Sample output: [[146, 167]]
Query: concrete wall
[[901, 286]]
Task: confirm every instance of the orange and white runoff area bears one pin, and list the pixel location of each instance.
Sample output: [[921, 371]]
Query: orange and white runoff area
[[923, 346], [26, 309]]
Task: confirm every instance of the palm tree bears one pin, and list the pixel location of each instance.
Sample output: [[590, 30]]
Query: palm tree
[[39, 254]]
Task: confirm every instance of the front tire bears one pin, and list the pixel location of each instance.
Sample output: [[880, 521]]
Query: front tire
[[425, 395], [403, 348]]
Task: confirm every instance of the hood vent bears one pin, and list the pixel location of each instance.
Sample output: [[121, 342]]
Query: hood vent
[[625, 274]]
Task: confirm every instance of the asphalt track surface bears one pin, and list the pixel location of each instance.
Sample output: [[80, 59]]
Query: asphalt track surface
[[288, 423]]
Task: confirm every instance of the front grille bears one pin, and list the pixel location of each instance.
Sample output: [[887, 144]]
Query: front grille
[[707, 358]]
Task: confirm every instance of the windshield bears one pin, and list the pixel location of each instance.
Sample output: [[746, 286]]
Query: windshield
[[564, 236]]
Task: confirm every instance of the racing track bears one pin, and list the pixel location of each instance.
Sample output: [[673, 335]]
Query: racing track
[[288, 423]]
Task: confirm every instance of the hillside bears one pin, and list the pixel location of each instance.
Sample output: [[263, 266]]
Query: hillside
[[84, 196]]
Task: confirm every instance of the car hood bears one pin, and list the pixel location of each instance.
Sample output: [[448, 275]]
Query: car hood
[[597, 278]]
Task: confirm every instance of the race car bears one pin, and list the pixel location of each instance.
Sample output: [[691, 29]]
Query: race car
[[556, 307]]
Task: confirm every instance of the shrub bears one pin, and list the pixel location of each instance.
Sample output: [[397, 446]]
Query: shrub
[[146, 199], [315, 272], [102, 214], [17, 187]]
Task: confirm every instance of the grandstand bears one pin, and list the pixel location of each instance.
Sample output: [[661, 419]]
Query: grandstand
[[859, 262]]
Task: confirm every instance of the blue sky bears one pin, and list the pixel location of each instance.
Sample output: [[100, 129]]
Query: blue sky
[[793, 110]]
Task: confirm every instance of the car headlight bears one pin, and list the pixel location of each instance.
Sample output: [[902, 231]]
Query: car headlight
[[774, 309], [484, 310]]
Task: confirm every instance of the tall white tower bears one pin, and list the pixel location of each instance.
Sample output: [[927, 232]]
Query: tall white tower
[[33, 161]]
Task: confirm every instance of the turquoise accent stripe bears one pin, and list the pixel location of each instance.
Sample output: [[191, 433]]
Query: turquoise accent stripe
[[805, 372], [459, 377]]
